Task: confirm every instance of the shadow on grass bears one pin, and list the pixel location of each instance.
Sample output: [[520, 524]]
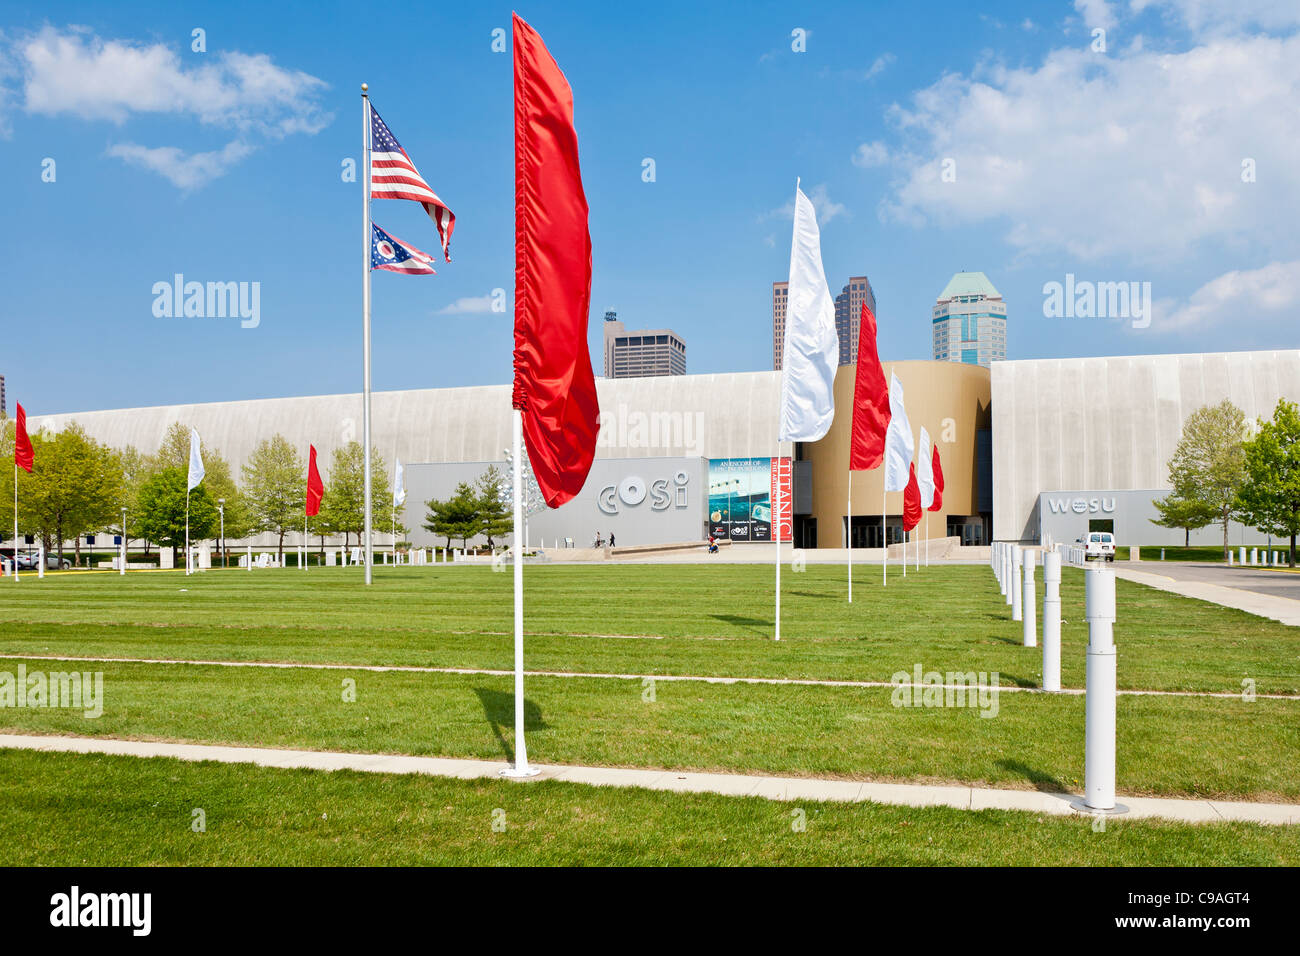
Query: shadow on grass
[[759, 625], [1043, 782], [499, 709]]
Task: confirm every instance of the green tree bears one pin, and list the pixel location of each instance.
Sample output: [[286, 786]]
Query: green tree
[[160, 510], [75, 487], [1209, 463], [1270, 495], [494, 514], [275, 488], [1185, 513], [457, 517], [174, 452], [344, 503]]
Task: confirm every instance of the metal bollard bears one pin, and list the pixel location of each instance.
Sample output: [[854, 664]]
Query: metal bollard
[[1254, 556], [1052, 620], [1241, 556], [1099, 704], [1028, 603], [1017, 605]]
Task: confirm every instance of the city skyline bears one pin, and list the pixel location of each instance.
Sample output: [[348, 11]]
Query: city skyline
[[1143, 167]]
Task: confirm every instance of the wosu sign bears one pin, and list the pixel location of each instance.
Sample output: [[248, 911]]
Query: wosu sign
[[741, 495]]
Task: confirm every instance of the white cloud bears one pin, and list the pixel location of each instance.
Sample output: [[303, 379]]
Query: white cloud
[[1222, 16], [879, 65], [1235, 299], [1096, 13], [826, 208], [871, 154], [1135, 154], [184, 170], [74, 72], [1028, 25], [469, 305]]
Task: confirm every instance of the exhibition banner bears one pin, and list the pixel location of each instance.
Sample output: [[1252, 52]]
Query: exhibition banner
[[741, 496]]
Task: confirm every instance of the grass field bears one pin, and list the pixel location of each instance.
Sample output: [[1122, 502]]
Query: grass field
[[657, 620]]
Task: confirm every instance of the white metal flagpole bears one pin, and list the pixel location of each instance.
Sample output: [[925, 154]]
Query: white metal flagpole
[[365, 325], [15, 512], [521, 767], [884, 540], [849, 532], [187, 530], [776, 535]]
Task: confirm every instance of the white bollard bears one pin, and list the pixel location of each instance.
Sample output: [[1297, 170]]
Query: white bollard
[[1052, 620], [1007, 589], [1099, 704], [1229, 557], [250, 556], [1017, 604], [1027, 602], [1254, 556], [40, 560], [1241, 556]]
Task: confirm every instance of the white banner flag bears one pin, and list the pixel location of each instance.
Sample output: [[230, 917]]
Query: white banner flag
[[196, 461], [399, 488], [898, 440], [812, 347], [925, 470]]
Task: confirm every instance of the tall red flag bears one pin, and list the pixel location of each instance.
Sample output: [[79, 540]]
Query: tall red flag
[[870, 401], [23, 454], [911, 500], [554, 385], [315, 487], [938, 480]]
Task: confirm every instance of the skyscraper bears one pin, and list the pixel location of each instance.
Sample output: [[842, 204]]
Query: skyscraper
[[4, 409], [641, 352], [848, 317], [969, 321]]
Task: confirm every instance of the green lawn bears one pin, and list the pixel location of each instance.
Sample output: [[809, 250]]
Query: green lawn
[[705, 620], [92, 810]]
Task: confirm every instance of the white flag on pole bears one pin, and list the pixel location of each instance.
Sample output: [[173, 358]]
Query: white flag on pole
[[196, 461], [925, 470], [812, 347], [898, 440], [399, 488]]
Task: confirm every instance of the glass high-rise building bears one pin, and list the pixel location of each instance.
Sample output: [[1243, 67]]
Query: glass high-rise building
[[969, 321], [848, 317]]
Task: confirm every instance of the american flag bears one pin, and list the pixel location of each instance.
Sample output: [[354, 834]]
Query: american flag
[[393, 255], [394, 176]]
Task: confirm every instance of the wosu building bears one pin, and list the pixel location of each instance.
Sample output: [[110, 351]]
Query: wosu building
[[1029, 448]]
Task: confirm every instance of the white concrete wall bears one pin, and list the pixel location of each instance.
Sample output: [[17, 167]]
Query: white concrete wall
[[1112, 423]]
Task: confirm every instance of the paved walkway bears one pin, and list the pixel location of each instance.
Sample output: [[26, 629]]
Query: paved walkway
[[595, 675], [1270, 594], [727, 784]]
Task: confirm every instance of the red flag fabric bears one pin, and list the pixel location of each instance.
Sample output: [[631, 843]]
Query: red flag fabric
[[315, 487], [911, 500], [23, 454], [870, 401], [554, 386], [938, 480]]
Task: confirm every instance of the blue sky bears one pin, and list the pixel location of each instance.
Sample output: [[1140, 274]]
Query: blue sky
[[1122, 164]]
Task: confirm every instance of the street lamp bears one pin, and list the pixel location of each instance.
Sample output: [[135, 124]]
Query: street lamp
[[122, 561], [221, 510]]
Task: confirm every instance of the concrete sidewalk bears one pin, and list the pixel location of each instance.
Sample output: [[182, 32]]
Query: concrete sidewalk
[[727, 784], [1202, 583]]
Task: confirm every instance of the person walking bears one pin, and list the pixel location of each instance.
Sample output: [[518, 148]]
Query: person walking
[[611, 539]]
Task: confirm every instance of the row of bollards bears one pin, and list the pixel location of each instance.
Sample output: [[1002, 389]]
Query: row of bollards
[[1014, 566]]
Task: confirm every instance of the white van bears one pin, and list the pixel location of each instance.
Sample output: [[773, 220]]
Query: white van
[[1097, 544]]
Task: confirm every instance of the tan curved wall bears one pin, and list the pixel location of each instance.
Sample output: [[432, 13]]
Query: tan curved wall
[[950, 399]]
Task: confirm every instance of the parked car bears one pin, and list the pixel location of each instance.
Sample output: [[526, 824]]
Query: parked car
[[1099, 545], [28, 560]]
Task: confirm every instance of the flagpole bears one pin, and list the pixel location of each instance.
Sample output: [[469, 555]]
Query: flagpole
[[884, 539], [521, 767], [776, 533], [187, 528], [365, 321], [849, 531], [15, 505]]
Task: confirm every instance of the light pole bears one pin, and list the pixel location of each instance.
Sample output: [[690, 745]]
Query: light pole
[[122, 570], [221, 510]]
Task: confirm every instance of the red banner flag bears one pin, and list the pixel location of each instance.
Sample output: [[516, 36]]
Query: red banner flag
[[911, 500], [24, 457], [315, 487], [938, 480], [870, 401], [554, 385]]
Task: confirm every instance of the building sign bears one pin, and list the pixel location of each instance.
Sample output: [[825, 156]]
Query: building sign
[[741, 495], [659, 494]]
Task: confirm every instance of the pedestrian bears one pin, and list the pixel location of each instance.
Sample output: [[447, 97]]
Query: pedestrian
[[611, 539]]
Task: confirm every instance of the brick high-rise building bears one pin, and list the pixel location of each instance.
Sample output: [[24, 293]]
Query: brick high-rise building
[[634, 354], [848, 317]]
